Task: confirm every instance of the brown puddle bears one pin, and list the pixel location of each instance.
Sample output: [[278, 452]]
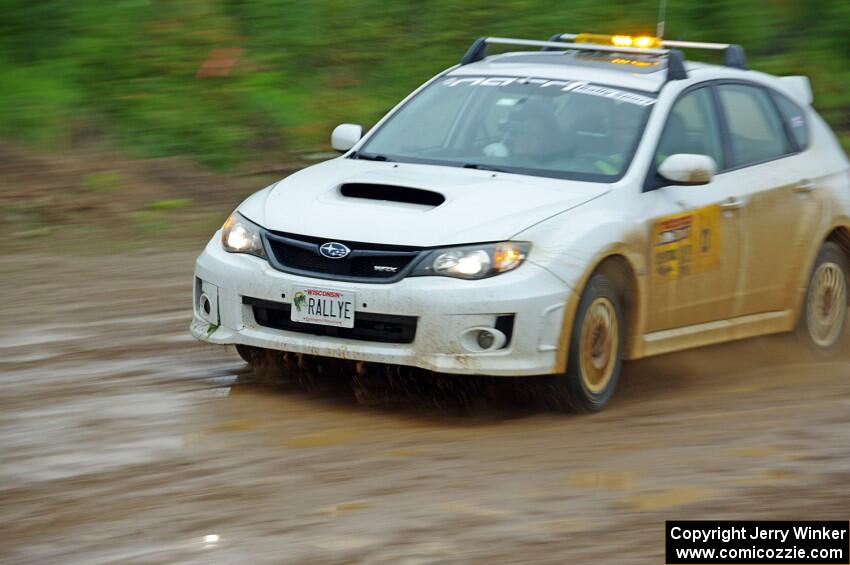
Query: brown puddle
[[125, 442]]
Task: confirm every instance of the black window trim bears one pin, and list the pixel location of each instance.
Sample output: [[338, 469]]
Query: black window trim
[[654, 182]]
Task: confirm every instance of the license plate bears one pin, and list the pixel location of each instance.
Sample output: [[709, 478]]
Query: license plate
[[323, 306]]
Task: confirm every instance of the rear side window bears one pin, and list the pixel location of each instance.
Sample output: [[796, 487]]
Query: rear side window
[[755, 128], [795, 119]]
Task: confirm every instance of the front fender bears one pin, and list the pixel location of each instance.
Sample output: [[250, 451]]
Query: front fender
[[573, 246]]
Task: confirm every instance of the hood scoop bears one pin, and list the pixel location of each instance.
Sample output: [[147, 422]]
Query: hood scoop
[[391, 193]]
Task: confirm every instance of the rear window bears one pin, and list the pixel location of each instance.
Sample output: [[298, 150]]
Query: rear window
[[795, 118]]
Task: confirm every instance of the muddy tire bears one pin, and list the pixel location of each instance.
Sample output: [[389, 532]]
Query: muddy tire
[[823, 323], [595, 352]]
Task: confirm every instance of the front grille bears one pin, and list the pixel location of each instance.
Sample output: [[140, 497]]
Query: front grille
[[384, 328], [367, 262]]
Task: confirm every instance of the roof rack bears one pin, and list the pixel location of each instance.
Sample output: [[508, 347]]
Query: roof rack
[[733, 54]]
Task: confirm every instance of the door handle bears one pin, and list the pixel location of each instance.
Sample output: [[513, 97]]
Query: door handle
[[733, 204], [804, 187]]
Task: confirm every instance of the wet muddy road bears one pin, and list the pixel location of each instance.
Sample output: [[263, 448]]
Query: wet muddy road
[[125, 441]]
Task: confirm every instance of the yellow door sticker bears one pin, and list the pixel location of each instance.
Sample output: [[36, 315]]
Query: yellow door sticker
[[686, 244]]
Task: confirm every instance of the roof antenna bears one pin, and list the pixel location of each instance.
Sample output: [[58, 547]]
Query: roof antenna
[[662, 15]]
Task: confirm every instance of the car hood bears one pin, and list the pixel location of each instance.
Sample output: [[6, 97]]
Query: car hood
[[478, 206]]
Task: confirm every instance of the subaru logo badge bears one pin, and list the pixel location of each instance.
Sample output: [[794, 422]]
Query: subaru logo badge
[[334, 250]]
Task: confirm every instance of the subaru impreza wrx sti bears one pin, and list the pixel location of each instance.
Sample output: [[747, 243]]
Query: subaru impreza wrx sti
[[551, 211]]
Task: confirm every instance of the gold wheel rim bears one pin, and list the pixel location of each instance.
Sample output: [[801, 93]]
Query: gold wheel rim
[[827, 304], [600, 334]]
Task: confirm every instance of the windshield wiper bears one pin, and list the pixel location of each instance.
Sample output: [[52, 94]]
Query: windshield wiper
[[367, 157], [484, 168]]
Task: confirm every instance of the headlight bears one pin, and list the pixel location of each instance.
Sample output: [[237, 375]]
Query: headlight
[[475, 261], [239, 235]]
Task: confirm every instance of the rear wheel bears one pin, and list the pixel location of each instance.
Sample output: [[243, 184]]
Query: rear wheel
[[596, 350], [824, 320]]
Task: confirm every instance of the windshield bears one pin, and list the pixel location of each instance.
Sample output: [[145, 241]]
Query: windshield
[[561, 129]]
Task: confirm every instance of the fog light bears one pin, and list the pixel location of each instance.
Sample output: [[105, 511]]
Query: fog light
[[206, 301], [486, 339], [205, 304], [482, 338]]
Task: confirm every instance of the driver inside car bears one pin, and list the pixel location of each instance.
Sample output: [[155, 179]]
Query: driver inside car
[[622, 120], [531, 134]]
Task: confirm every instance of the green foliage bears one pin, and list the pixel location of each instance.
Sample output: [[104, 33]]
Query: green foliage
[[106, 181], [150, 222], [127, 71], [169, 204]]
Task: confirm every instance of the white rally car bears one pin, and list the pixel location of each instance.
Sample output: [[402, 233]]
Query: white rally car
[[551, 211]]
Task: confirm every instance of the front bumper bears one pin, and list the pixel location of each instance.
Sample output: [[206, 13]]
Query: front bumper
[[444, 307]]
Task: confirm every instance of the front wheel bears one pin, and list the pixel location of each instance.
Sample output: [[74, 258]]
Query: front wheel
[[596, 350], [824, 319]]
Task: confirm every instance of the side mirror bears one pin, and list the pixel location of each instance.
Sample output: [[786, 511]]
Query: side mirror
[[345, 136], [688, 169]]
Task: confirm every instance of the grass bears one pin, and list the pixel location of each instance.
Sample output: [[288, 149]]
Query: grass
[[126, 73], [150, 222], [104, 182], [169, 204]]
